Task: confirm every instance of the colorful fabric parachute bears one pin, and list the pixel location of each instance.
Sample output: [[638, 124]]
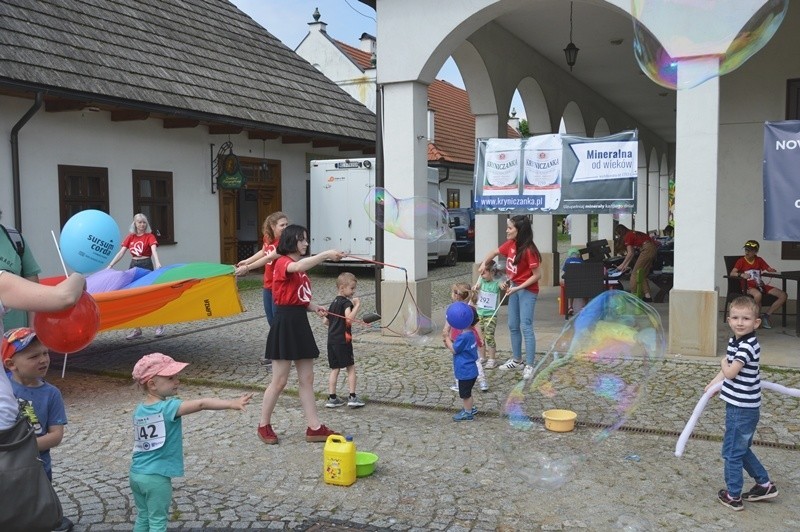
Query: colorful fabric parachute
[[171, 294]]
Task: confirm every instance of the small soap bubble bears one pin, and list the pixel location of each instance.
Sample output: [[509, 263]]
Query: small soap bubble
[[414, 218], [717, 37]]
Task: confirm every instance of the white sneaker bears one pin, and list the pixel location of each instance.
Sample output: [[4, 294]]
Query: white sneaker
[[136, 333], [511, 364], [484, 385], [160, 330], [454, 387], [527, 373], [491, 363]]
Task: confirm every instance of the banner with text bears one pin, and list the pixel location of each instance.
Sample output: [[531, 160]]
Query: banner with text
[[782, 180], [557, 174]]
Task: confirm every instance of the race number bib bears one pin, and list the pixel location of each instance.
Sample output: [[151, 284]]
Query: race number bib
[[487, 300], [150, 433]]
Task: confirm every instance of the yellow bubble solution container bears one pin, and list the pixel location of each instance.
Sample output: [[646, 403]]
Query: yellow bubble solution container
[[339, 460]]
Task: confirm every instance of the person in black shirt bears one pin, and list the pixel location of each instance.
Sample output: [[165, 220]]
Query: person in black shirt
[[340, 340]]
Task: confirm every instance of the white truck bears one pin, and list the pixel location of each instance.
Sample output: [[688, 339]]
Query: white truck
[[338, 217]]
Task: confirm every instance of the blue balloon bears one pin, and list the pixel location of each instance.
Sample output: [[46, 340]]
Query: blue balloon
[[459, 315], [89, 240]]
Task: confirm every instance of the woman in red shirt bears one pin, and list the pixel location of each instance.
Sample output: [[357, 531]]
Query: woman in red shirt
[[522, 289], [647, 255], [142, 244], [290, 337], [273, 227]]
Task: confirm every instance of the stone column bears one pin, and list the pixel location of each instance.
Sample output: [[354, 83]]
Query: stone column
[[405, 148], [693, 301]]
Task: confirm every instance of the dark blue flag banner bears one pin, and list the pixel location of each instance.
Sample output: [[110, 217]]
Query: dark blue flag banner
[[782, 180], [557, 174]]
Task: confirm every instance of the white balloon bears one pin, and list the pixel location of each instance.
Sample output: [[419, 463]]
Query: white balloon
[[701, 404]]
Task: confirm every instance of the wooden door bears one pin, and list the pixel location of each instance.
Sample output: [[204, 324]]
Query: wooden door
[[266, 181], [229, 205]]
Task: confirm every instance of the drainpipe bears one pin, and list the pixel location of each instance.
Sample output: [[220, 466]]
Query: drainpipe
[[37, 104]]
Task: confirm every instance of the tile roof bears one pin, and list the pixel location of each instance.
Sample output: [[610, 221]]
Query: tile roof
[[361, 58], [454, 123], [202, 57]]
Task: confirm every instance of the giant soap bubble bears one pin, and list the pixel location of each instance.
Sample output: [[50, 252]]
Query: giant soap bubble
[[598, 367], [716, 36], [415, 218]]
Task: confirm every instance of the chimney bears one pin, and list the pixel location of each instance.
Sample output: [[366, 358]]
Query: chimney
[[367, 43], [317, 25], [431, 123]]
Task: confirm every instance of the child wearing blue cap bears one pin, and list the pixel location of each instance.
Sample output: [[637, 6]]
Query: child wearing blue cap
[[459, 315]]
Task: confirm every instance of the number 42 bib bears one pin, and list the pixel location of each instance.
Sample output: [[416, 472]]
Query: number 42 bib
[[149, 433]]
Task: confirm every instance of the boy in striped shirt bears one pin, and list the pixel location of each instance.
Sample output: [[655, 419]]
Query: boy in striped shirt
[[741, 391]]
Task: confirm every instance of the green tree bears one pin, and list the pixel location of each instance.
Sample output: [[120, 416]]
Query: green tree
[[523, 128]]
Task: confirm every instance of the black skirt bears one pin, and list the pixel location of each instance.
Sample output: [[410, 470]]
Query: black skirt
[[290, 336]]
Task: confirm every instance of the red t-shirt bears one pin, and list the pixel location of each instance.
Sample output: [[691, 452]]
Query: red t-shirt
[[269, 248], [289, 288], [635, 239], [519, 273], [139, 246], [752, 271]]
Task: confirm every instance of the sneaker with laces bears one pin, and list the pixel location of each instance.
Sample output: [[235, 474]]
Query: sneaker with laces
[[318, 435], [527, 373], [484, 385], [267, 435], [730, 502], [464, 416], [511, 364], [474, 410], [136, 333], [491, 363], [454, 387], [765, 324], [334, 402], [160, 330], [759, 492], [355, 402]]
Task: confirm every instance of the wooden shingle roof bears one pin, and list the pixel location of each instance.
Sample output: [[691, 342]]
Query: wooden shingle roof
[[202, 59]]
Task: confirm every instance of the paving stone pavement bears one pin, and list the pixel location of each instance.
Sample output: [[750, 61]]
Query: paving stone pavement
[[433, 474]]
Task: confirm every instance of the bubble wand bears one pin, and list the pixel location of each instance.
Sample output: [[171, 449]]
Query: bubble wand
[[367, 319], [66, 274], [375, 262]]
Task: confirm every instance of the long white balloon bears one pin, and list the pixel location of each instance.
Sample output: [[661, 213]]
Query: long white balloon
[[701, 404]]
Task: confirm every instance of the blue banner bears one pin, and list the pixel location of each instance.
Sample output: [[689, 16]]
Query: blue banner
[[782, 180]]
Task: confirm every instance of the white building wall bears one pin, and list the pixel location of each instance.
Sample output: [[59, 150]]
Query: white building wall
[[317, 49], [84, 138], [745, 104]]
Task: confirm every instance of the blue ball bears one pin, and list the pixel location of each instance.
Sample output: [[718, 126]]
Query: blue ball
[[89, 240], [459, 315]]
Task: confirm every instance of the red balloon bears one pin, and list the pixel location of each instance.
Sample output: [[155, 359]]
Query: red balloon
[[70, 330]]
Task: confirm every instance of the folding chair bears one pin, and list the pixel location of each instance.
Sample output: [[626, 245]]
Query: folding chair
[[584, 280]]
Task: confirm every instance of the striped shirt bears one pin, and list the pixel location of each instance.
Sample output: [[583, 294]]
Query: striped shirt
[[744, 390]]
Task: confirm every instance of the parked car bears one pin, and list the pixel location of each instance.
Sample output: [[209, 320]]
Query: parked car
[[463, 223]]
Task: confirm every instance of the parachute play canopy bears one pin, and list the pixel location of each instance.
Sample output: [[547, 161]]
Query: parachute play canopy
[[172, 294]]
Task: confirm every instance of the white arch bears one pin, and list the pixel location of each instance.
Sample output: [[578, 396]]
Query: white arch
[[572, 117], [536, 111]]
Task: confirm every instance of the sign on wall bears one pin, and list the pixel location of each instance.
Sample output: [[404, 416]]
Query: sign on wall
[[557, 174], [782, 180]]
